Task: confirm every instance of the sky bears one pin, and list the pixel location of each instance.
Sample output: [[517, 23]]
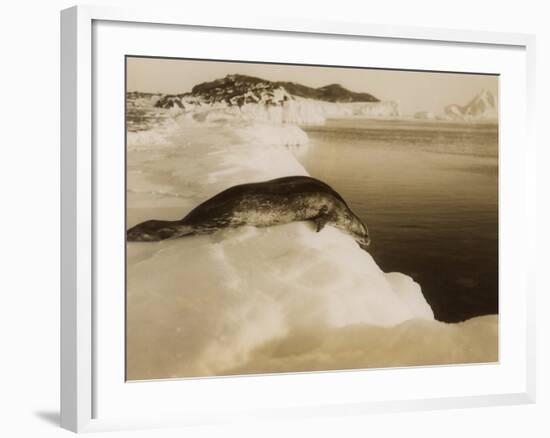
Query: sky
[[414, 90]]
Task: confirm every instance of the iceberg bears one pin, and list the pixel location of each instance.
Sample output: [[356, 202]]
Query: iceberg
[[425, 115], [261, 300], [482, 107]]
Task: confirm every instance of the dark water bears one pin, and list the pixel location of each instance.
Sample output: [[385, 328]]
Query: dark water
[[428, 192]]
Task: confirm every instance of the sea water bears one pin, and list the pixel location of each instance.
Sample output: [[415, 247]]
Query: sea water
[[428, 192]]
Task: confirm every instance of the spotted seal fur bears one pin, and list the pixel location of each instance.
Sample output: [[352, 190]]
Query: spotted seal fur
[[261, 204]]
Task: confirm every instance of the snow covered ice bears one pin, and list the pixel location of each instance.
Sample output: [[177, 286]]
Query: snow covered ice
[[251, 300]]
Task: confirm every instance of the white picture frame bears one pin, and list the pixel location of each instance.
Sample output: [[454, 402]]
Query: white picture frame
[[80, 341]]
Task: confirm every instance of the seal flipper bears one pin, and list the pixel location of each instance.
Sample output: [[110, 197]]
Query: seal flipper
[[182, 231], [322, 219]]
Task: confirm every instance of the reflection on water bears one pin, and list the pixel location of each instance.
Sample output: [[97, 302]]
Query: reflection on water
[[428, 192]]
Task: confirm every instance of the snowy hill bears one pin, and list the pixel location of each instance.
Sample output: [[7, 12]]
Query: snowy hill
[[482, 107], [285, 102], [241, 89]]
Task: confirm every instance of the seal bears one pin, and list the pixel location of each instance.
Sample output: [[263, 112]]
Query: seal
[[261, 204]]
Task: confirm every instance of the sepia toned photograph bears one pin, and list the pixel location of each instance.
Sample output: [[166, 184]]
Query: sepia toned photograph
[[297, 218]]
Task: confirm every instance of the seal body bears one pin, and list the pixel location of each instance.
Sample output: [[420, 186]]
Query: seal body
[[262, 204]]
